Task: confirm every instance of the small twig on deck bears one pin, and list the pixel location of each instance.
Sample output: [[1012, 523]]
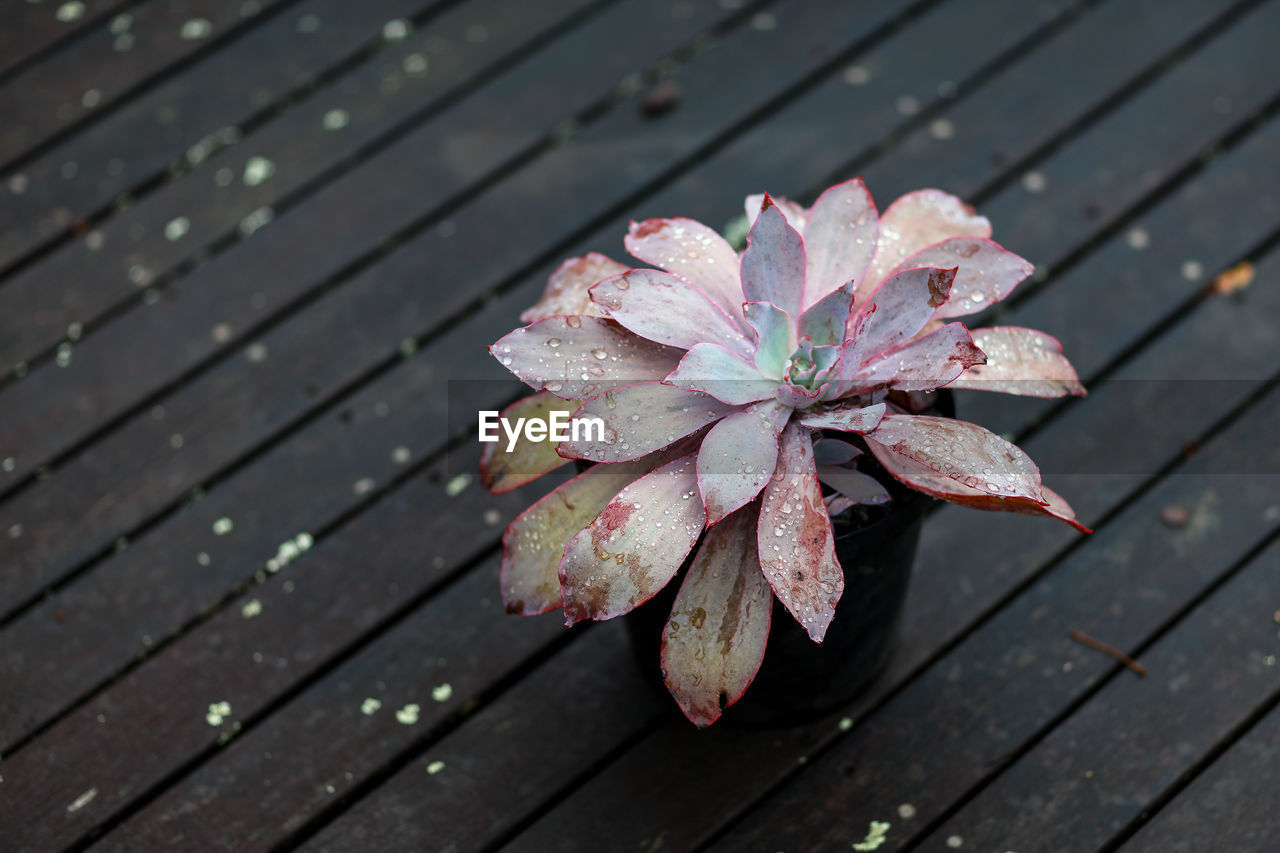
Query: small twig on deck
[[1100, 646]]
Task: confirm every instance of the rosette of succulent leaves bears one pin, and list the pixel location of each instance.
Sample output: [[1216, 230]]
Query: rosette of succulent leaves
[[732, 386]]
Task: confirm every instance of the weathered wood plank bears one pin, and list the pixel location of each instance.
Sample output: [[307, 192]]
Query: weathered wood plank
[[362, 321], [461, 638], [59, 673], [107, 635], [1227, 807], [140, 139], [1114, 756], [56, 94], [292, 154], [200, 534], [564, 716], [1023, 520], [971, 147], [163, 583], [451, 641], [32, 28], [274, 636], [514, 759], [181, 549]]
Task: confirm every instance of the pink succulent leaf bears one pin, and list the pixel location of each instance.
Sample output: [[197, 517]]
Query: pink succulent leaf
[[634, 546], [577, 357], [929, 362], [851, 349], [639, 419], [1056, 507], [775, 337], [914, 222], [924, 479], [1021, 361], [502, 470], [899, 309], [803, 352], [960, 451], [825, 358], [566, 290], [833, 451], [774, 261], [738, 456], [797, 548], [838, 503], [714, 641], [795, 213], [693, 252], [662, 308], [797, 396], [824, 322], [833, 391], [809, 365], [987, 272], [846, 419], [839, 240], [534, 542], [727, 376], [856, 486]]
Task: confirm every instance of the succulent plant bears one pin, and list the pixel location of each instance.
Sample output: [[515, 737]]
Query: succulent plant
[[721, 378]]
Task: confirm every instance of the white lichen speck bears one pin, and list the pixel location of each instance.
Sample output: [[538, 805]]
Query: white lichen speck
[[67, 13], [457, 485], [395, 30], [177, 228], [335, 119], [81, 801], [196, 28], [877, 834], [218, 713]]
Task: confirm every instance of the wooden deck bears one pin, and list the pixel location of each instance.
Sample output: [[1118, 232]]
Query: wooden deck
[[250, 253]]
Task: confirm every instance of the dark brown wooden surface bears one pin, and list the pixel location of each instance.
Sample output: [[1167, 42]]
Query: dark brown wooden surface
[[184, 350], [31, 29], [122, 153]]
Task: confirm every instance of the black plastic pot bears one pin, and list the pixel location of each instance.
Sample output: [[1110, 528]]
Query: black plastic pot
[[799, 679]]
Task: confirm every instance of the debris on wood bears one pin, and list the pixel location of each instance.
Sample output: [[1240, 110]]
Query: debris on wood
[[1233, 280], [661, 99], [1175, 515], [1098, 645]]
